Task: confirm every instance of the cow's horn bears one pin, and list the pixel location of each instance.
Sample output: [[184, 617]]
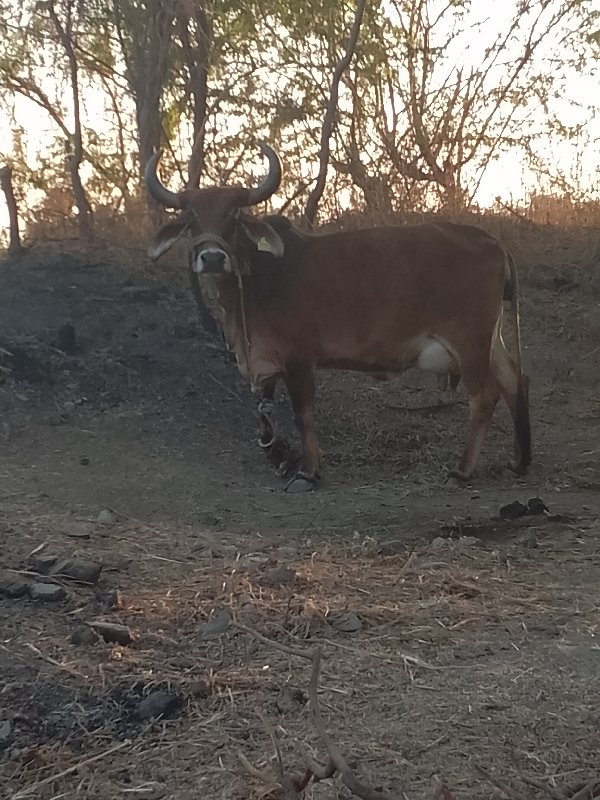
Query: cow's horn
[[270, 184], [159, 192]]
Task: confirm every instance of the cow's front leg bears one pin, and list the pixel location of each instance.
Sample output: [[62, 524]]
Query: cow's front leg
[[300, 381], [276, 447]]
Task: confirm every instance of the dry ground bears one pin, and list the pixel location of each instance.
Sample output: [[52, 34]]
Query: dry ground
[[477, 658]]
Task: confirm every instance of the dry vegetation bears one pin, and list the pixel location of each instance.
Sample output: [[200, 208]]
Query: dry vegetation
[[459, 651]]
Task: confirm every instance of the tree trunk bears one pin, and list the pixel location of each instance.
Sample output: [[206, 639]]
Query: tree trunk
[[197, 56], [330, 113], [84, 209], [14, 245]]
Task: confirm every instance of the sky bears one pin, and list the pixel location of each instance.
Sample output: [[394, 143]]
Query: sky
[[506, 178]]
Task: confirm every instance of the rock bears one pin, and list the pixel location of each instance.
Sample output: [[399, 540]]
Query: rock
[[84, 461], [250, 563], [5, 733], [535, 506], [77, 569], [111, 600], [106, 517], [42, 563], [513, 510], [216, 625], [289, 700], [13, 585], [468, 541], [158, 704], [347, 622], [83, 634], [47, 592], [280, 576], [440, 543], [113, 633], [392, 547]]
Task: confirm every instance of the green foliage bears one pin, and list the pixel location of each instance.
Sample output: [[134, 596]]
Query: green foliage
[[417, 122]]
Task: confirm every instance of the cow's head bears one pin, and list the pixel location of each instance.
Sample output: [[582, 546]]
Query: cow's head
[[214, 219]]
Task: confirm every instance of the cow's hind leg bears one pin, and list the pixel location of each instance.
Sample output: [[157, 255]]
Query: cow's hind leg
[[300, 381], [514, 392], [483, 397]]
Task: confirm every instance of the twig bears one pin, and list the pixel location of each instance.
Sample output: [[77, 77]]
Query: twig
[[406, 658], [506, 790], [70, 770], [52, 661], [292, 651], [226, 388], [336, 758]]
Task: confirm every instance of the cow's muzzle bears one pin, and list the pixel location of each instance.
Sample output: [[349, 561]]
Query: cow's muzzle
[[212, 255]]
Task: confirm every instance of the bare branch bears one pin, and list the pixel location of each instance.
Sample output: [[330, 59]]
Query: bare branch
[[330, 112]]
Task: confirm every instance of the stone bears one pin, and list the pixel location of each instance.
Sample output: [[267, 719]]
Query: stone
[[468, 541], [347, 622], [289, 700], [439, 543], [112, 632], [106, 517], [217, 624], [536, 506], [158, 704], [280, 576], [513, 510], [83, 634], [77, 569], [12, 585], [42, 563], [47, 592]]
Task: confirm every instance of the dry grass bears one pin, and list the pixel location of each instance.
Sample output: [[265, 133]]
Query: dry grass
[[428, 618]]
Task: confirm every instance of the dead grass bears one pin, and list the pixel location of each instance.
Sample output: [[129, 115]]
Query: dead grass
[[429, 619]]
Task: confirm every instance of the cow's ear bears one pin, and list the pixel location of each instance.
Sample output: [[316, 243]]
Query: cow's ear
[[264, 236], [166, 237]]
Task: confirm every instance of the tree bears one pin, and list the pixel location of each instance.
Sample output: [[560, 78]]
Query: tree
[[21, 72], [144, 30], [14, 245], [330, 114]]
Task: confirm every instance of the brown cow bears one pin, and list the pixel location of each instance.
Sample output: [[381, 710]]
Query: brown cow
[[377, 300]]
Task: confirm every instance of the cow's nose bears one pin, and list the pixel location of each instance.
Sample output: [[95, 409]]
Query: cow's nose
[[213, 260]]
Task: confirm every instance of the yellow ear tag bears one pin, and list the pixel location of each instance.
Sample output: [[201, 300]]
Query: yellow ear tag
[[264, 246]]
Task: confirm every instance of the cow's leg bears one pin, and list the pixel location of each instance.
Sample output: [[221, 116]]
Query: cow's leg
[[483, 396], [515, 395], [266, 413], [276, 447], [300, 381]]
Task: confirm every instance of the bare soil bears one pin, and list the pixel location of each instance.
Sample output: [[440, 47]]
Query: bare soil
[[478, 653]]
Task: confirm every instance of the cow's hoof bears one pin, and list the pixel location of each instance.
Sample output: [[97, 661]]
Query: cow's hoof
[[300, 483], [456, 480]]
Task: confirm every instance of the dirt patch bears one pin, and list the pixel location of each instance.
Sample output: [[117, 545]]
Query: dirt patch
[[472, 652]]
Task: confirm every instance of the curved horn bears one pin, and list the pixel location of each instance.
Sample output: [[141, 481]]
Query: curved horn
[[270, 184], [155, 188]]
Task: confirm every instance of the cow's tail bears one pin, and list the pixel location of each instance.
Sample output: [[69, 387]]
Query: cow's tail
[[522, 423]]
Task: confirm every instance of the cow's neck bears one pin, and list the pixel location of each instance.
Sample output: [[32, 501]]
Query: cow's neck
[[233, 300]]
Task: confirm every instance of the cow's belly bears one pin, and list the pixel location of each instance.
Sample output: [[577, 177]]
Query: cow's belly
[[429, 353]]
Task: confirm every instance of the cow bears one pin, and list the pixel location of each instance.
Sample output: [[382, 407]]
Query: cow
[[377, 300]]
